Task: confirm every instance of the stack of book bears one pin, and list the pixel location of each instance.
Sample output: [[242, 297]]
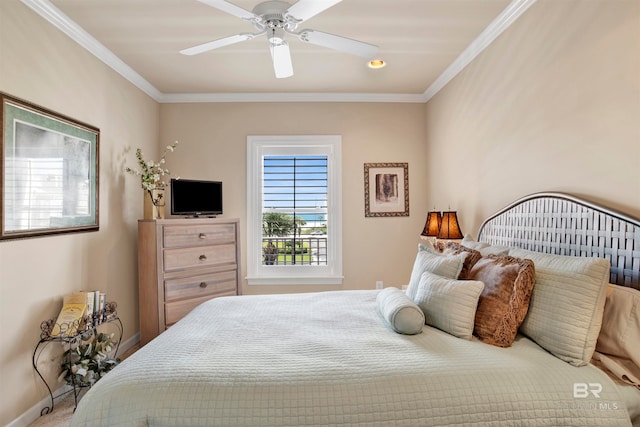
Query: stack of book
[[80, 310]]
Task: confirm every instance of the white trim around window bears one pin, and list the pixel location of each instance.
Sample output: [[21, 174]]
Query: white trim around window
[[298, 145]]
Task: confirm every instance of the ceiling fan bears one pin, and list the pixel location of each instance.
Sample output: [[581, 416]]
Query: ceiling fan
[[276, 19]]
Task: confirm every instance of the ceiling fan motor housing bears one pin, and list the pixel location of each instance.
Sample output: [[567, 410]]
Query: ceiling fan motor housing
[[273, 14]]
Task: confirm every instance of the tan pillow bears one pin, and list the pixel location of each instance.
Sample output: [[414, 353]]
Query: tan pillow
[[504, 302], [454, 248], [618, 346]]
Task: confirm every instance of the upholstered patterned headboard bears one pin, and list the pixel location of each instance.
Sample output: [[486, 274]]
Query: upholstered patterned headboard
[[561, 224]]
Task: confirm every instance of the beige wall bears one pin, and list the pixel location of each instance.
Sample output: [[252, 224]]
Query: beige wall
[[40, 64], [213, 146], [552, 105]]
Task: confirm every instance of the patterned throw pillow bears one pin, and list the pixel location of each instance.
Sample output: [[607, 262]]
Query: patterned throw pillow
[[472, 256], [508, 283], [484, 248]]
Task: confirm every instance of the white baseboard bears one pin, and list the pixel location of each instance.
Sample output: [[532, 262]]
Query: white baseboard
[[33, 413]]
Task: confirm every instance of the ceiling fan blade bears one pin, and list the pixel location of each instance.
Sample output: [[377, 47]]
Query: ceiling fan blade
[[217, 43], [281, 57], [306, 9], [230, 8], [340, 43]]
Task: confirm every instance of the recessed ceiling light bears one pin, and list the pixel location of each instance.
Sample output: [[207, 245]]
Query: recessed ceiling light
[[376, 63]]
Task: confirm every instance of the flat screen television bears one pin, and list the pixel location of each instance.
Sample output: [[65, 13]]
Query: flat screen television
[[190, 197]]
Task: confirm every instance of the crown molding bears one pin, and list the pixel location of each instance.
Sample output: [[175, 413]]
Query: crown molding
[[512, 12], [291, 97], [54, 16]]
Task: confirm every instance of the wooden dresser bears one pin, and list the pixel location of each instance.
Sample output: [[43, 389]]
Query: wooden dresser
[[182, 263]]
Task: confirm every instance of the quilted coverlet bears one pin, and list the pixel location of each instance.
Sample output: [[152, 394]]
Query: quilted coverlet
[[320, 359]]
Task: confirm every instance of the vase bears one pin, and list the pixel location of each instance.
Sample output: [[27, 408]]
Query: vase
[[154, 204]]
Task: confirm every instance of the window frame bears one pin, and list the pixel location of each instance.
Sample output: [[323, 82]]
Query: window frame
[[298, 145]]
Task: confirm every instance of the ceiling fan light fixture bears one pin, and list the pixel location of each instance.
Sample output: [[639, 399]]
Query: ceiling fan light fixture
[[377, 63], [275, 36], [281, 60]]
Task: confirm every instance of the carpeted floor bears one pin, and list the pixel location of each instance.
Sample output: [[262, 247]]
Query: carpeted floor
[[61, 415]]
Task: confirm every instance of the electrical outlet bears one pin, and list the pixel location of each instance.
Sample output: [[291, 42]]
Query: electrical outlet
[[379, 284]]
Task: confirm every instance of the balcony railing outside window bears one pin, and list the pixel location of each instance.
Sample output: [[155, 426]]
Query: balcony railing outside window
[[304, 250]]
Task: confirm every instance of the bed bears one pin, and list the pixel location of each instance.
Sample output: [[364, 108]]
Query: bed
[[357, 358]]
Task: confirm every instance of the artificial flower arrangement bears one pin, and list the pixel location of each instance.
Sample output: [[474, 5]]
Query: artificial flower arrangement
[[152, 174], [89, 361]]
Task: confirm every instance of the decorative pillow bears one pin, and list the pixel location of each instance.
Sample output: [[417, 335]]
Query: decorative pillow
[[428, 245], [472, 256], [448, 304], [567, 302], [504, 302], [484, 248], [620, 332], [399, 312], [618, 346], [442, 265]]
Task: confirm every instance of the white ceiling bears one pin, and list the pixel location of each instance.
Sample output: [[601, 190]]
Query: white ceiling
[[424, 42]]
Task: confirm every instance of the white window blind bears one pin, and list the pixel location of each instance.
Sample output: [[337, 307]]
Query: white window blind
[[294, 210]]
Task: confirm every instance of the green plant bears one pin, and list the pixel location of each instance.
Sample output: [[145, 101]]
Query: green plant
[[281, 224], [89, 361], [152, 173]]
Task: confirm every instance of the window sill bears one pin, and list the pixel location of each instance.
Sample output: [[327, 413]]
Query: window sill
[[291, 280]]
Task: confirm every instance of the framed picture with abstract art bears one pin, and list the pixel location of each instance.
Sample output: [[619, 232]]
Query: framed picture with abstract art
[[48, 170], [386, 189]]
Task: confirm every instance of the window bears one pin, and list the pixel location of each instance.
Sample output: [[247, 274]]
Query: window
[[294, 215]]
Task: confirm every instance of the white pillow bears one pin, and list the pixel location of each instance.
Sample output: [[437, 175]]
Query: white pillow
[[449, 305], [567, 302], [399, 311], [442, 265], [484, 248]]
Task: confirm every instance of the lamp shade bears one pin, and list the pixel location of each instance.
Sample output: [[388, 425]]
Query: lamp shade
[[449, 228], [432, 226]]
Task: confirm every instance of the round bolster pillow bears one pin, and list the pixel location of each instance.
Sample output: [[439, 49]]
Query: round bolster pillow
[[399, 311]]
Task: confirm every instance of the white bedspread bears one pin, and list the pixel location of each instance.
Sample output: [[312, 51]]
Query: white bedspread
[[328, 359]]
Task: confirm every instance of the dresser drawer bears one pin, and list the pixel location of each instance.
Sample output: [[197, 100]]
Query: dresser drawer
[[178, 236], [175, 311], [176, 259], [198, 286]]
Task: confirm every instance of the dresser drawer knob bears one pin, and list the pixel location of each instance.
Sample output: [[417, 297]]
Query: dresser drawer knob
[[203, 284], [202, 236], [203, 257]]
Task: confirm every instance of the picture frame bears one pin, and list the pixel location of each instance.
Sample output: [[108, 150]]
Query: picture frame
[[49, 169], [386, 189]]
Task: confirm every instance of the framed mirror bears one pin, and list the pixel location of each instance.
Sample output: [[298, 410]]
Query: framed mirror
[[49, 171]]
